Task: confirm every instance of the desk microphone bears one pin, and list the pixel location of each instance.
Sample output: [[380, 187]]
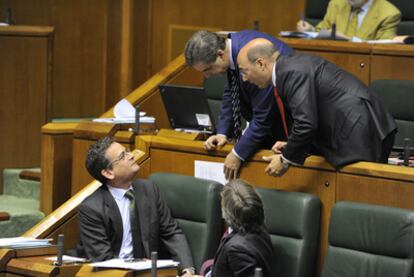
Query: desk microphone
[[333, 32], [154, 257], [258, 272], [137, 119], [60, 243]]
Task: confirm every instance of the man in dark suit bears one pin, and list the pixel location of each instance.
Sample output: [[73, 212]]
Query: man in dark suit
[[212, 54], [126, 217], [329, 109]]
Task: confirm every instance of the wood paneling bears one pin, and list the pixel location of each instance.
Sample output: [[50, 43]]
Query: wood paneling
[[25, 73]]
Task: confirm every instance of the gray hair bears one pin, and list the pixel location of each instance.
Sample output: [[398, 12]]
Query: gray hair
[[202, 47], [242, 207], [261, 50]]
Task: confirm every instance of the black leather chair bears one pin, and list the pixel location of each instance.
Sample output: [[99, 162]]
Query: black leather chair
[[195, 204], [406, 26], [293, 221], [369, 241], [398, 97]]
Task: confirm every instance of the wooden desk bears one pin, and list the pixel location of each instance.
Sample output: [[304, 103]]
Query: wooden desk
[[87, 270], [366, 61], [7, 254]]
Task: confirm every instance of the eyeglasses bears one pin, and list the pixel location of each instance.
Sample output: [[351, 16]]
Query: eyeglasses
[[121, 157]]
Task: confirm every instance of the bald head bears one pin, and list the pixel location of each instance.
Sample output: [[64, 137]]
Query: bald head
[[256, 60]]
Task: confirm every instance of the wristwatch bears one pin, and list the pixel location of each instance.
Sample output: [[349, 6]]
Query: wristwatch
[[285, 163]]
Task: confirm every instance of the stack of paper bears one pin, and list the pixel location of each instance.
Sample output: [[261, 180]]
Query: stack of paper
[[125, 113], [21, 242], [135, 265]]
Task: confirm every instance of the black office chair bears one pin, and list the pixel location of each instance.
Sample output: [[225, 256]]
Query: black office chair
[[398, 97], [293, 221], [195, 204], [370, 241]]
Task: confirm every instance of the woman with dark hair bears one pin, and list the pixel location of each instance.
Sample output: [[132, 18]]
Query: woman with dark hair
[[248, 244]]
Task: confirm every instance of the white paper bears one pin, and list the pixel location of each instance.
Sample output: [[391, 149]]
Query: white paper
[[384, 41], [210, 170], [23, 242], [67, 259], [140, 265], [125, 113], [203, 119]]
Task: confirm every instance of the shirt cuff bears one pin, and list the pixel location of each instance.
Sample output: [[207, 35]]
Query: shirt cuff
[[222, 135], [237, 155]]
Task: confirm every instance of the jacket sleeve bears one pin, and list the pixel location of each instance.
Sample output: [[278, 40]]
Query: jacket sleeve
[[299, 93], [171, 235], [95, 242], [241, 262], [329, 18], [388, 28]]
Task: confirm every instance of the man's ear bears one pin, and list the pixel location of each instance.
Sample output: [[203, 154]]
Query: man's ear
[[107, 173], [220, 53], [260, 62]]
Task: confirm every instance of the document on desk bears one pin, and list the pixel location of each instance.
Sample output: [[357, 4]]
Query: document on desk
[[22, 242], [138, 265], [210, 170]]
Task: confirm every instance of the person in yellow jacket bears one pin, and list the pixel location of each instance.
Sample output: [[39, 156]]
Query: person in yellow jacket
[[362, 19]]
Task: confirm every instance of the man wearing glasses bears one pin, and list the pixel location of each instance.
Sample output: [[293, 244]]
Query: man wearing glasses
[[126, 217]]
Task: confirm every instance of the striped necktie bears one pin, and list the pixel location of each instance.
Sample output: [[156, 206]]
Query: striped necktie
[[135, 231], [352, 26], [235, 102]]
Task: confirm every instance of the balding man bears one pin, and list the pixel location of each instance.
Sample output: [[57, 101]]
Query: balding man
[[326, 108]]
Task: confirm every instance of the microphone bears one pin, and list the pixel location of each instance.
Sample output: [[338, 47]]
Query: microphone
[[136, 127], [256, 25], [406, 151], [60, 243], [333, 31], [258, 272], [154, 257]]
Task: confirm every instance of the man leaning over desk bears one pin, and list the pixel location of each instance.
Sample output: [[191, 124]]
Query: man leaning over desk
[[126, 217], [212, 54]]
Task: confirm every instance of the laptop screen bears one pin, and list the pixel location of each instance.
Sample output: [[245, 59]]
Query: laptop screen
[[187, 107]]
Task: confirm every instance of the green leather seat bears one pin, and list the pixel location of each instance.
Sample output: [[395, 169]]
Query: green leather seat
[[315, 11], [369, 241], [214, 88], [195, 204], [406, 26], [293, 221], [398, 97]]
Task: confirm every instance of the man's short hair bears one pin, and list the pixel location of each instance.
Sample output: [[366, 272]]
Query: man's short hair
[[242, 207], [262, 50], [202, 47], [96, 160]]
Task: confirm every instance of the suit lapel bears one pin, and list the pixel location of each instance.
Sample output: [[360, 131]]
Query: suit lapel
[[144, 216], [343, 18], [114, 215], [367, 26]]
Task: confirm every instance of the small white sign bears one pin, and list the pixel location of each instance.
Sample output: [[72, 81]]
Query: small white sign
[[210, 170], [203, 119]]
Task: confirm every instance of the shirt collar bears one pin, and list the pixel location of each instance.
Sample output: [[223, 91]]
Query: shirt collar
[[118, 193], [366, 6], [274, 75], [228, 44]]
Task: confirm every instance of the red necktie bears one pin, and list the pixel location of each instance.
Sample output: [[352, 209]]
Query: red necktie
[[281, 110]]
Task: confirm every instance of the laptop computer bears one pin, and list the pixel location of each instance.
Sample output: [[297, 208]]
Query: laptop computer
[[187, 108]]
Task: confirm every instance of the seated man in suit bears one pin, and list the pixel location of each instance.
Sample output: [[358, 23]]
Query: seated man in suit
[[126, 217], [248, 244], [329, 109], [212, 54], [363, 19]]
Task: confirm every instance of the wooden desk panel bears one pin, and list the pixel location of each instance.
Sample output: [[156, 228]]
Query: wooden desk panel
[[392, 67]]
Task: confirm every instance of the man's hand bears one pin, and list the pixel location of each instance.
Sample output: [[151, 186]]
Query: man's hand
[[214, 142], [303, 26], [231, 166], [278, 146], [275, 168]]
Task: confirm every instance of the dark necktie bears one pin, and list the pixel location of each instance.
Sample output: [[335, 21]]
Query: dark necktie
[[135, 231], [282, 111], [235, 103]]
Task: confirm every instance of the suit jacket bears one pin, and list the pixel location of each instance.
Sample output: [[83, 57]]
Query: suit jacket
[[258, 106], [239, 254], [100, 225], [331, 109], [380, 22]]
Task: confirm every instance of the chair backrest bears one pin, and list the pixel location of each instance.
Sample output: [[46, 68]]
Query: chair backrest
[[406, 26], [398, 97], [214, 88], [293, 221], [315, 11], [368, 240], [195, 204]]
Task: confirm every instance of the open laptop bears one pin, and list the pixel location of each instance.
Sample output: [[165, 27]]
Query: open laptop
[[187, 108]]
